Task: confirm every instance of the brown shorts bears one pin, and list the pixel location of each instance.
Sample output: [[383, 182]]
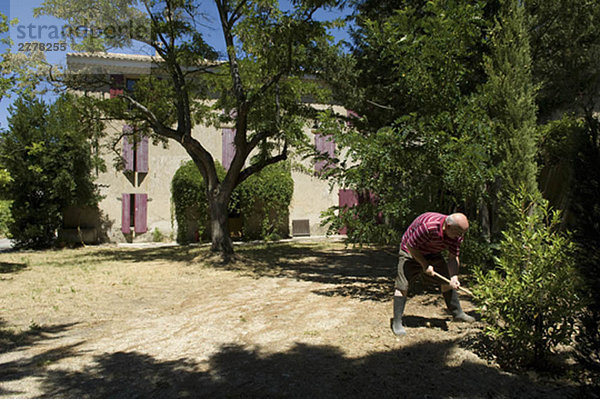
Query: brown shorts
[[409, 269]]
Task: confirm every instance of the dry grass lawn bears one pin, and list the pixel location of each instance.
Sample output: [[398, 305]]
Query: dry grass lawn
[[284, 320]]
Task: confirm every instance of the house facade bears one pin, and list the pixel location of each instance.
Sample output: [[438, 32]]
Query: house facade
[[137, 200]]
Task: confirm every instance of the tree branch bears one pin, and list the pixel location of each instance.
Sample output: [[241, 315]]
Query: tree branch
[[257, 167], [235, 15], [157, 126], [275, 79]]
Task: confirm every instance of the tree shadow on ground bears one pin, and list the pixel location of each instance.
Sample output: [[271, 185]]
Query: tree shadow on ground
[[365, 274], [305, 371], [178, 254], [33, 366], [10, 267], [11, 339]]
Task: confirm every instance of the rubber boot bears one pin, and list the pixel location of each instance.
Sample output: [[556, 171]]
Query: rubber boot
[[453, 304], [397, 327]]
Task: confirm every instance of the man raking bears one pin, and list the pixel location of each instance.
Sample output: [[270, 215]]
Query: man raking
[[420, 252]]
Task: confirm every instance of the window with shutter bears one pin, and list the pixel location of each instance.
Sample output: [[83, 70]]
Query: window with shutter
[[128, 151], [141, 155], [324, 145], [134, 213], [141, 213], [228, 147], [126, 214], [135, 155]]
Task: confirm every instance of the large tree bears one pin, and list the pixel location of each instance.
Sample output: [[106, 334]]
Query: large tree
[[275, 59], [446, 96], [565, 39], [48, 152], [509, 99], [422, 139]]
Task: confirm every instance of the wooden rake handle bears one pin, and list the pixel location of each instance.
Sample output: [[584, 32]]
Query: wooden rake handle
[[436, 274]]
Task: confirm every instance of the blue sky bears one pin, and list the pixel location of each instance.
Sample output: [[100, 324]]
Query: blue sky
[[30, 28]]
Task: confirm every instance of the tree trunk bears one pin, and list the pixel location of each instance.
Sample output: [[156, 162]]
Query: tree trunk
[[484, 221], [221, 241]]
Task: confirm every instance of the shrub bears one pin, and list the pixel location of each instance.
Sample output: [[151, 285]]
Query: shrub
[[157, 235], [531, 300], [5, 217], [265, 201]]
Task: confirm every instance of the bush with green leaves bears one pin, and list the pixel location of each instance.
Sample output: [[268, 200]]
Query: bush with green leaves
[[265, 201], [531, 300], [5, 217]]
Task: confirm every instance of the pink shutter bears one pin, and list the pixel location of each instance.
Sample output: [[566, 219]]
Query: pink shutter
[[125, 214], [330, 146], [347, 199], [141, 161], [228, 150], [127, 151], [324, 145], [320, 148], [116, 85], [141, 213]]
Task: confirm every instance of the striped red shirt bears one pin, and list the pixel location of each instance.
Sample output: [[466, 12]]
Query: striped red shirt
[[425, 234]]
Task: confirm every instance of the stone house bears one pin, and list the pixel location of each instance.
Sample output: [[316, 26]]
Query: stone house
[[137, 201]]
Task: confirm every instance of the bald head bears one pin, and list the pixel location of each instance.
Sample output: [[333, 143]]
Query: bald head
[[457, 224]]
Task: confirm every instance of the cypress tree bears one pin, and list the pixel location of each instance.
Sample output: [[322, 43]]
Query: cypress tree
[[509, 95]]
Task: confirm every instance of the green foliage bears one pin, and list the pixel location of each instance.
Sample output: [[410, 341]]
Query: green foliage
[[476, 249], [560, 144], [157, 235], [48, 153], [5, 217], [264, 202], [417, 59], [20, 72], [570, 178], [565, 42], [447, 109], [188, 193], [509, 98], [423, 140], [532, 299]]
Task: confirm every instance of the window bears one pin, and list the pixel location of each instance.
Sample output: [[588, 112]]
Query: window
[[130, 85], [134, 213], [135, 154]]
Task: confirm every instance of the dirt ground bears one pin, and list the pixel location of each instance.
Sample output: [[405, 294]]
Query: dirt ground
[[284, 320]]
